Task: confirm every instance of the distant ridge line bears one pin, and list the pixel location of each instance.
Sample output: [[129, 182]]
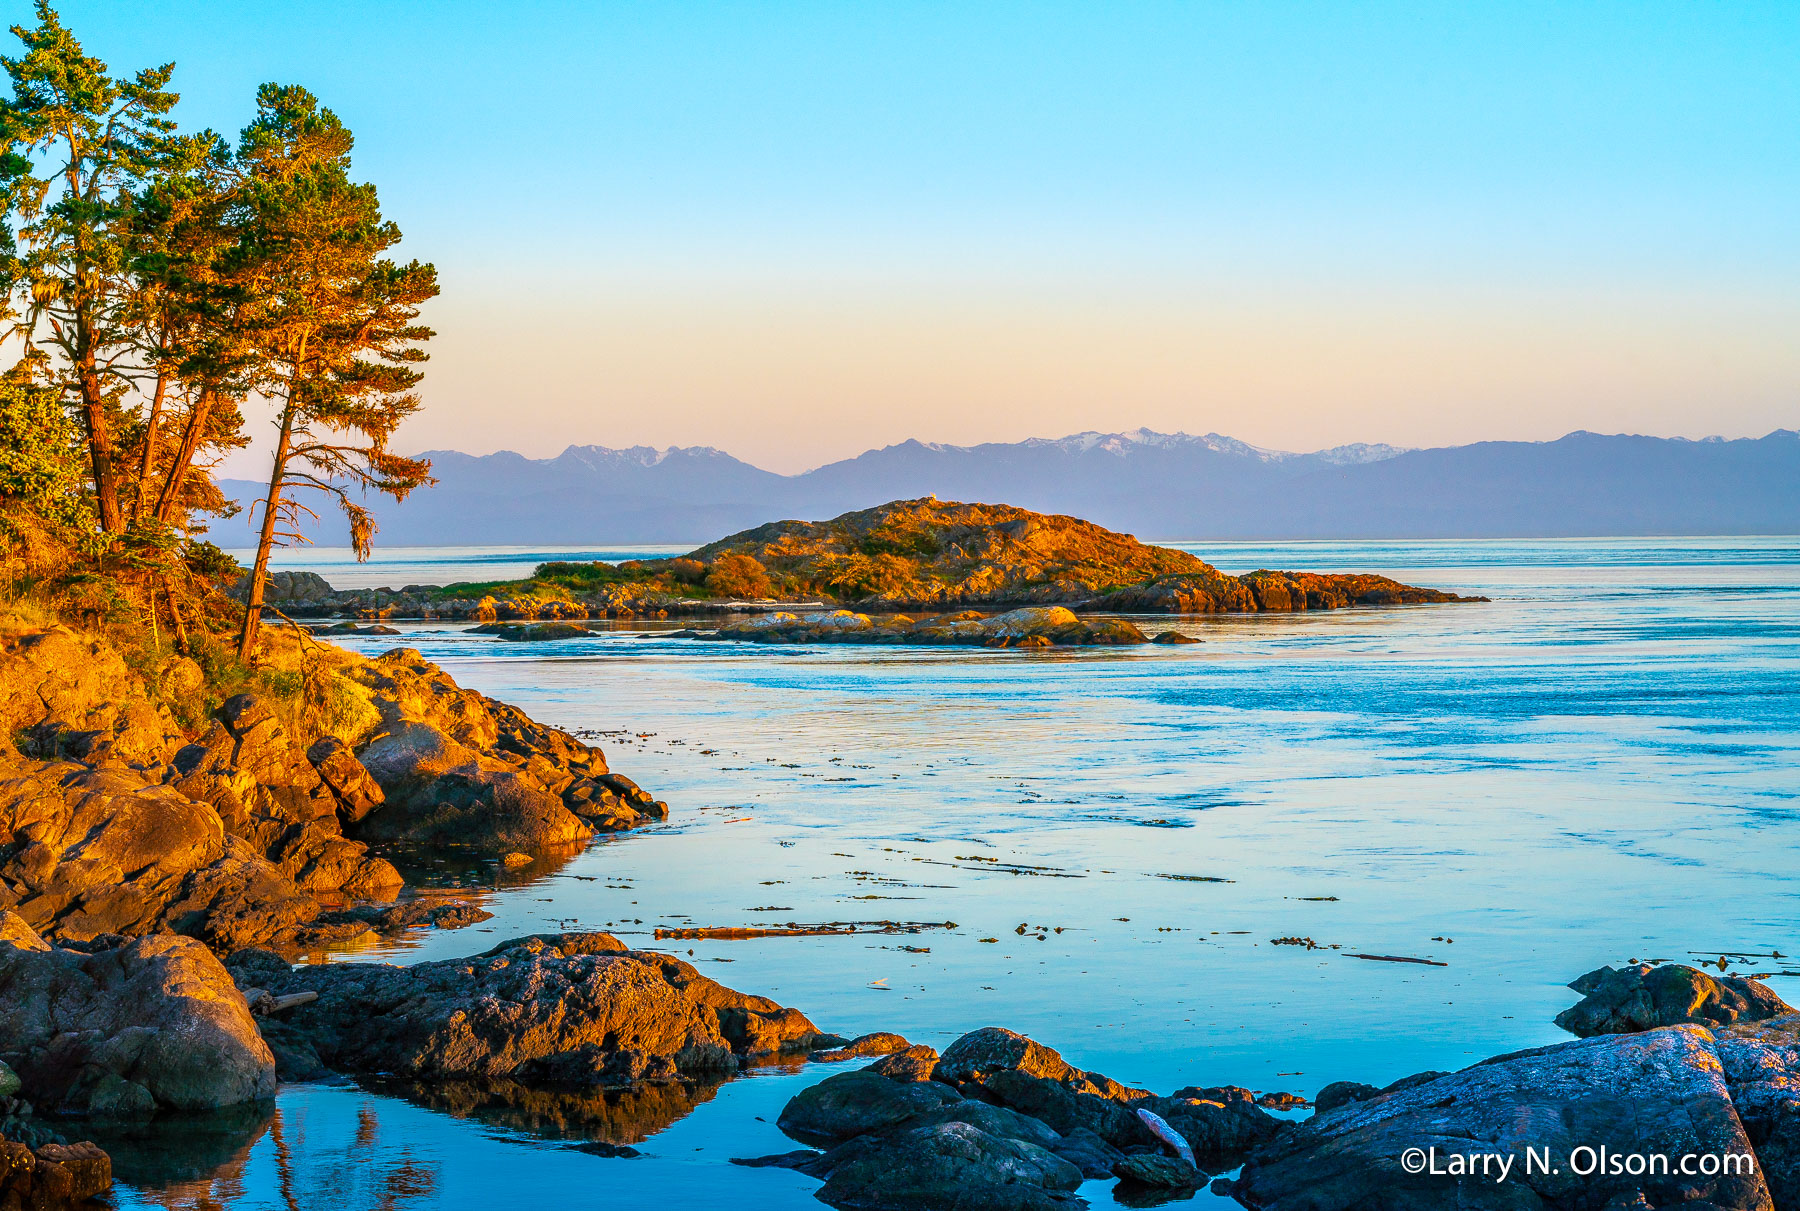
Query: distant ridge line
[[1139, 481]]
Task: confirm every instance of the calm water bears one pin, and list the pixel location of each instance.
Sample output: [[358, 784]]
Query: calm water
[[1601, 764]]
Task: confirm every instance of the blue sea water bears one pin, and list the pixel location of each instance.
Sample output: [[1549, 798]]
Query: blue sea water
[[1602, 763]]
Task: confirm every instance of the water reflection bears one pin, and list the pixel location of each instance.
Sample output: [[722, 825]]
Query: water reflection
[[611, 1116]]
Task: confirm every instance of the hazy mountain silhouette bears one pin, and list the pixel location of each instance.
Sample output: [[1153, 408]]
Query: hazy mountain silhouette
[[1155, 485]]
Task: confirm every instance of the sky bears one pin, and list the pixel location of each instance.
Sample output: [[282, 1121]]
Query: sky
[[796, 231]]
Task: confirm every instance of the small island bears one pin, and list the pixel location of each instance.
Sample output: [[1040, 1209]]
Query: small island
[[985, 574]]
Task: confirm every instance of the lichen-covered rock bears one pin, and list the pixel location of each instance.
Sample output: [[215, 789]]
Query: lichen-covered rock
[[559, 1008], [148, 1025], [1643, 997], [1660, 1093], [1762, 1070]]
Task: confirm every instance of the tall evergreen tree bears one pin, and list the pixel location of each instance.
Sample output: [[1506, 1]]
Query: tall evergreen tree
[[333, 316], [97, 138], [191, 310]]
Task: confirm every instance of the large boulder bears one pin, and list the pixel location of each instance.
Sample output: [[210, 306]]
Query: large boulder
[[1643, 997], [855, 1103], [558, 1008], [149, 1025], [1662, 1093], [945, 1165], [1762, 1070]]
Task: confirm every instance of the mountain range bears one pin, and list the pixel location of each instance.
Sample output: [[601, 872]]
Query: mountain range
[[1156, 485]]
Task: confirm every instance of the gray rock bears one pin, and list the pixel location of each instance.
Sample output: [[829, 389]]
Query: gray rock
[[154, 1024], [1342, 1093], [1088, 1153], [1663, 1092], [1762, 1070], [850, 1104], [1643, 997], [1157, 1169], [948, 1165]]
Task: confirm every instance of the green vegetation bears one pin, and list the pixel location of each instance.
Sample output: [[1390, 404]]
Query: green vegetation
[[156, 282]]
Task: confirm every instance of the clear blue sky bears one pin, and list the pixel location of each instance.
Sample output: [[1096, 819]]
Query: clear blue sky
[[798, 230]]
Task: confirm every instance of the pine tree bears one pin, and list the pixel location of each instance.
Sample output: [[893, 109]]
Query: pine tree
[[98, 139], [334, 319]]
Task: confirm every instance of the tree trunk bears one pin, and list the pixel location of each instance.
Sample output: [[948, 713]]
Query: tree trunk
[[99, 434], [148, 466], [184, 455], [259, 572]]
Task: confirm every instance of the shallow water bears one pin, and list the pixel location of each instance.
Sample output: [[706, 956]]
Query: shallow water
[[1600, 764]]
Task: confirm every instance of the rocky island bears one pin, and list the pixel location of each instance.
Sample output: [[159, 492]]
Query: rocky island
[[862, 576]]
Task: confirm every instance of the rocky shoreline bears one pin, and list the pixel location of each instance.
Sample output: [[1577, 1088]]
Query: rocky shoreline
[[550, 1028]]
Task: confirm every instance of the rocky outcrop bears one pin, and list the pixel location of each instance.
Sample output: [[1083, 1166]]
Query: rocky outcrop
[[1662, 1093], [52, 1177], [1263, 592], [1004, 1122], [457, 768], [1643, 997], [1020, 1073], [1031, 627], [133, 1028], [112, 821], [569, 1009]]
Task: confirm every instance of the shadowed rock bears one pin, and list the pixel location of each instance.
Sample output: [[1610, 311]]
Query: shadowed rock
[[945, 1165], [1663, 1092], [152, 1024], [1643, 997], [855, 1103]]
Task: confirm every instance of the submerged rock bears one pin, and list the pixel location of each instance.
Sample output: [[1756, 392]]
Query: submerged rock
[[1664, 1092], [576, 1009], [148, 1025], [1643, 997]]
